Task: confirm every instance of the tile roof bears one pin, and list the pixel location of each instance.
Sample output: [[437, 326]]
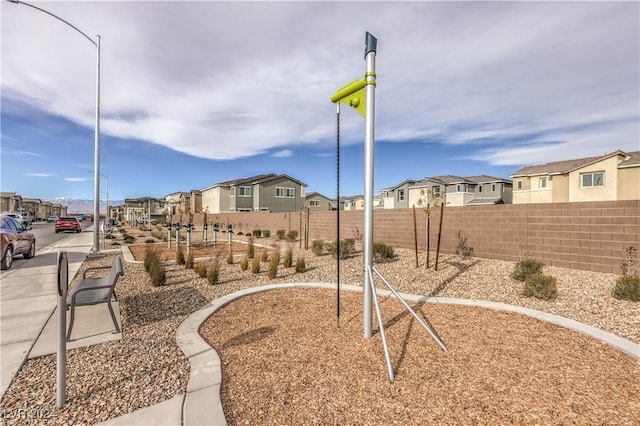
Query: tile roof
[[557, 167]]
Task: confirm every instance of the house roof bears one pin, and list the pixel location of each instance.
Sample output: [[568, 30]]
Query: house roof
[[406, 181], [486, 179], [485, 201], [566, 166], [317, 194], [253, 180]]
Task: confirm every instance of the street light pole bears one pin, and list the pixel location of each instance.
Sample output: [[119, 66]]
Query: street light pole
[[95, 249]]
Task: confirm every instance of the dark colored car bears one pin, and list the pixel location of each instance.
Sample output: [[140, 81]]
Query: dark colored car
[[68, 223], [15, 240]]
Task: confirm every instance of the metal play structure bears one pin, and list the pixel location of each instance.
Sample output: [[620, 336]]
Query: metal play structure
[[360, 94]]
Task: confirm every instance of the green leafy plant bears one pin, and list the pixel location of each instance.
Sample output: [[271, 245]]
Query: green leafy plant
[[244, 263], [280, 234], [266, 233], [347, 248], [213, 273], [149, 241], [272, 271], [180, 260], [287, 262], [627, 288], [256, 233], [525, 268], [382, 251], [201, 269], [300, 265], [292, 235], [317, 247], [255, 265], [540, 286]]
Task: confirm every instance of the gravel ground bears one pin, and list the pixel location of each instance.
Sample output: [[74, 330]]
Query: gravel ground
[[147, 367]]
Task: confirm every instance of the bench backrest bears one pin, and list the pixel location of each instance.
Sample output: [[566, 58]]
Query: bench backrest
[[115, 272]]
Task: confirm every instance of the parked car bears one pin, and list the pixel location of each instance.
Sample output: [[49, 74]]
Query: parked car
[[15, 240], [22, 218], [52, 219], [68, 223]]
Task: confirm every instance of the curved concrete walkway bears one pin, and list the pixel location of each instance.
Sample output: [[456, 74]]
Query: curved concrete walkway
[[201, 404]]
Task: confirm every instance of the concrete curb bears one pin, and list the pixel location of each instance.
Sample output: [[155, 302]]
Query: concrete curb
[[205, 379]]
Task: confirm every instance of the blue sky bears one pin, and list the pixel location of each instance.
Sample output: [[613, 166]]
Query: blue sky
[[195, 93]]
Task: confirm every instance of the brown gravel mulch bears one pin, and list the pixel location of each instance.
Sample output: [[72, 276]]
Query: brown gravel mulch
[[147, 367], [285, 361]]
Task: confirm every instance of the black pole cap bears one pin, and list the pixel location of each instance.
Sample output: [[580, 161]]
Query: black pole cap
[[371, 43]]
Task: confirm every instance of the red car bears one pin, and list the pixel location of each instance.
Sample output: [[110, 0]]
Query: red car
[[15, 239], [68, 223]]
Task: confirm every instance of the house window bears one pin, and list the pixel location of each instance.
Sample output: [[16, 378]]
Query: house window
[[543, 183], [245, 191], [401, 195], [314, 203], [592, 179], [461, 187], [436, 191], [519, 185], [493, 187], [233, 191], [280, 192], [285, 192], [479, 189]]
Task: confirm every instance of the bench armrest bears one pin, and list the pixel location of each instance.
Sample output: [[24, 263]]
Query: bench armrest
[[84, 275], [81, 289]]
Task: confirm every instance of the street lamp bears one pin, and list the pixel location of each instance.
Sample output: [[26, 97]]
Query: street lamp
[[95, 249]]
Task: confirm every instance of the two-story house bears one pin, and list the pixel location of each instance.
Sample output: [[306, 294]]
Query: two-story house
[[462, 191], [397, 197], [267, 192], [137, 210], [614, 176], [315, 201]]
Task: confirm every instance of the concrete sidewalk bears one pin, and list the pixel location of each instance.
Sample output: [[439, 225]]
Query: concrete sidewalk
[[28, 297]]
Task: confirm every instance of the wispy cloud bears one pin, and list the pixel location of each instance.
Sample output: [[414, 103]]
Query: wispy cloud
[[38, 174], [76, 179], [20, 153], [282, 154]]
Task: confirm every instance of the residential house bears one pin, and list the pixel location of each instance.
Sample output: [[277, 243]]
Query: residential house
[[10, 202], [353, 202], [613, 176], [32, 206], [462, 191], [140, 209], [315, 201], [491, 190], [267, 192], [178, 202], [397, 197]]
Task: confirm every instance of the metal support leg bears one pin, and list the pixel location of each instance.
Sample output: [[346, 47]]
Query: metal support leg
[[387, 357]]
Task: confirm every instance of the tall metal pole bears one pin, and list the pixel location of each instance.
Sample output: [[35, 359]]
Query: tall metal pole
[[370, 85], [338, 213]]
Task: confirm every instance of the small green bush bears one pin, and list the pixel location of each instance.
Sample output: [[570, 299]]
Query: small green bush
[[256, 233], [201, 269], [213, 273], [347, 248], [540, 286], [240, 233], [280, 234], [266, 233], [149, 241], [300, 266], [115, 243], [273, 265], [382, 251], [292, 235], [287, 262], [230, 257], [317, 247], [525, 268], [264, 257], [244, 263], [188, 263], [129, 239], [255, 265], [158, 274], [627, 288], [180, 260], [251, 250]]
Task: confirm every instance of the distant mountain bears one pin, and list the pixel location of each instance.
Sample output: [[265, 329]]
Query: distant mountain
[[84, 206]]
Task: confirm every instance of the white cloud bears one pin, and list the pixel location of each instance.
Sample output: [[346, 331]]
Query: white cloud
[[226, 80], [38, 174], [76, 179], [282, 154]]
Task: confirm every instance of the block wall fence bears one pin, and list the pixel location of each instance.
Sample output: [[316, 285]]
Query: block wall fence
[[590, 236]]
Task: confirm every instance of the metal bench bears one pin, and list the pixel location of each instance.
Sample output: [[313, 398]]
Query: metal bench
[[94, 291]]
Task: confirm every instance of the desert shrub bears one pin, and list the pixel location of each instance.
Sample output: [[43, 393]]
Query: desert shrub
[[300, 266], [188, 263], [256, 233], [213, 273], [129, 239], [292, 235], [287, 262], [109, 237], [157, 234], [244, 263], [180, 260], [347, 248], [115, 243], [382, 251], [266, 233], [241, 233], [151, 256], [248, 234], [540, 286], [280, 234], [264, 256], [463, 248], [158, 274], [255, 265], [230, 257], [317, 247], [201, 269], [149, 241], [251, 250], [627, 288], [272, 271], [525, 268], [629, 264]]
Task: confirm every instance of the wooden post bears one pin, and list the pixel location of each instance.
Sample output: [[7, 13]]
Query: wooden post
[[440, 231], [415, 233]]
